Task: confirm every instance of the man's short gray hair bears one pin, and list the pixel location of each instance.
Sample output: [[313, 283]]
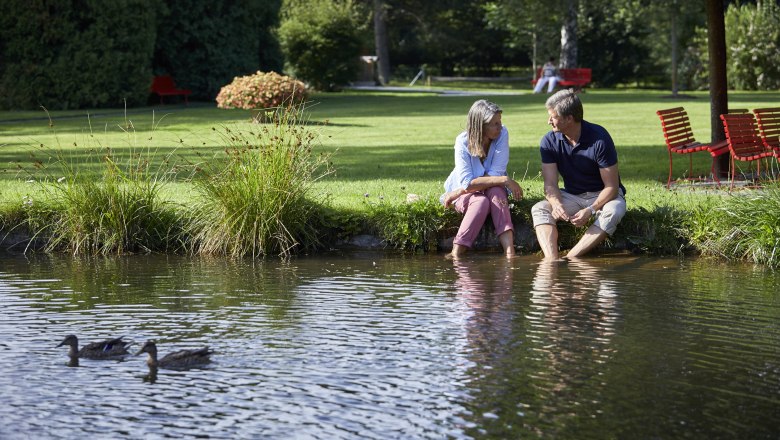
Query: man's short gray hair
[[566, 103]]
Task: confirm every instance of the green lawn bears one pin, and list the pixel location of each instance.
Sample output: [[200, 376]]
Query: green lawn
[[383, 144]]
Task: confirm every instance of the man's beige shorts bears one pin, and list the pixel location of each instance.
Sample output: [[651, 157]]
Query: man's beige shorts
[[607, 218]]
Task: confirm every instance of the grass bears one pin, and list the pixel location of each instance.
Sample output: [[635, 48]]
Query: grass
[[383, 146], [255, 197], [742, 227]]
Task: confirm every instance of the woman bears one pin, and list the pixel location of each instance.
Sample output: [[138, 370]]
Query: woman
[[478, 185]]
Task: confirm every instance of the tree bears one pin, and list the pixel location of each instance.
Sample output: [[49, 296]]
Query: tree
[[568, 57], [322, 41], [381, 42], [205, 44], [531, 26], [76, 53]]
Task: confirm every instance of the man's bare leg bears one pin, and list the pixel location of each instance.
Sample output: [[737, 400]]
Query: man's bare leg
[[507, 240], [592, 238], [547, 236]]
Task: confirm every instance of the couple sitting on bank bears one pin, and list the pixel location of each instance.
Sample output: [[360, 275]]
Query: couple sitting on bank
[[582, 153]]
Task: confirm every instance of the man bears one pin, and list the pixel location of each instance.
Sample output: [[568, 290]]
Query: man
[[584, 155]]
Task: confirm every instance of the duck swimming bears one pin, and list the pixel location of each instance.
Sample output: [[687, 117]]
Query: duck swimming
[[108, 349], [177, 360]]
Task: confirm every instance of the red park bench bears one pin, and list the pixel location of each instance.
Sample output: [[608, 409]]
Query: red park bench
[[577, 78], [163, 85]]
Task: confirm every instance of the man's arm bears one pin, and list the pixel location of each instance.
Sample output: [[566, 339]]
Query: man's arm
[[611, 179], [551, 191]]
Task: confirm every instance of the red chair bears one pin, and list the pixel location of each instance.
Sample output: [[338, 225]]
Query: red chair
[[769, 126], [744, 143], [164, 85], [679, 140]]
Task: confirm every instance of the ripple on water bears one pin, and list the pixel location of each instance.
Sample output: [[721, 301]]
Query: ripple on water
[[393, 348]]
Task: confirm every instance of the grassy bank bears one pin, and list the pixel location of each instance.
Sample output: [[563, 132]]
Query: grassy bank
[[382, 146]]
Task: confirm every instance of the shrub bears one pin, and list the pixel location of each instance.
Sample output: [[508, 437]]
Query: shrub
[[203, 43], [261, 90], [415, 225], [256, 200], [67, 55], [321, 40]]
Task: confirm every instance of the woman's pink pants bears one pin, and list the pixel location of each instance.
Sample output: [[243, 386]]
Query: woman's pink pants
[[475, 208]]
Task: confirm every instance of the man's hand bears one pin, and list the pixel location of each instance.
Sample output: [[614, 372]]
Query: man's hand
[[581, 217], [558, 212]]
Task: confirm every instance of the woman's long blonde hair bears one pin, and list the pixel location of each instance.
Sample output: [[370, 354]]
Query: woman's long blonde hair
[[480, 113]]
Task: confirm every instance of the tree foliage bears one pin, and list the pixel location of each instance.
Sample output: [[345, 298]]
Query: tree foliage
[[447, 37], [205, 44], [752, 49], [76, 53], [322, 41]]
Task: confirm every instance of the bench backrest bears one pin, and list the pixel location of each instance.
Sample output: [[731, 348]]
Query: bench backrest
[[676, 127], [579, 74], [163, 83], [742, 135], [769, 125]]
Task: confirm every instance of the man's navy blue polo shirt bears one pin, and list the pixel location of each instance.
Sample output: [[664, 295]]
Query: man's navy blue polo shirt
[[579, 165]]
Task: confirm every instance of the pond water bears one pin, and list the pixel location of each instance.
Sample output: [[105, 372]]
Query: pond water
[[367, 345]]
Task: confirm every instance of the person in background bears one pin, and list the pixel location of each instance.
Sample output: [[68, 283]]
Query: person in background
[[549, 76], [478, 185], [584, 155]]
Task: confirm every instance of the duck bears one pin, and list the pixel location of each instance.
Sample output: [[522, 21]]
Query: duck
[[177, 360], [103, 350]]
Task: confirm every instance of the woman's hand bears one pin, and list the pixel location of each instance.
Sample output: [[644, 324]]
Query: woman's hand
[[452, 196], [514, 188]]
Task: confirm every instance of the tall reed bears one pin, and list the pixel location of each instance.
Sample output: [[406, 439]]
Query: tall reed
[[119, 212], [744, 226], [256, 197]]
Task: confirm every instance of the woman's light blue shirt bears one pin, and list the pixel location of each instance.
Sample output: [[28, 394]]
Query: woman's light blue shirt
[[468, 167]]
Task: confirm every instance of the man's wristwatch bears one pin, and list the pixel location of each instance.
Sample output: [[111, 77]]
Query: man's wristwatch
[[592, 211]]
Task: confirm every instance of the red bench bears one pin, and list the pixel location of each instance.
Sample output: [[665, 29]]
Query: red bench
[[163, 85], [577, 78], [679, 139], [769, 126], [745, 143]]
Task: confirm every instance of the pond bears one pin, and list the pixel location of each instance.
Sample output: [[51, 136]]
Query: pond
[[380, 345]]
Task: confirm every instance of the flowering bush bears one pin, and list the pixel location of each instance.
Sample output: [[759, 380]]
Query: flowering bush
[[261, 90]]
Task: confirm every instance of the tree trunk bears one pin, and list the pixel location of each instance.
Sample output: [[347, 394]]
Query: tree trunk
[[569, 36], [675, 87], [533, 57], [380, 42], [719, 103]]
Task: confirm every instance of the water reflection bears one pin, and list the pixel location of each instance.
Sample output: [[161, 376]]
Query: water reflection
[[572, 322], [386, 346], [485, 289]]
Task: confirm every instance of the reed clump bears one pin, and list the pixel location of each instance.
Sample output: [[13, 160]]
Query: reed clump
[[744, 226], [256, 197], [119, 211]]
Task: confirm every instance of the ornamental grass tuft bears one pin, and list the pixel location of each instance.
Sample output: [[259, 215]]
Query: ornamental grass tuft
[[121, 211], [744, 226], [256, 196]]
